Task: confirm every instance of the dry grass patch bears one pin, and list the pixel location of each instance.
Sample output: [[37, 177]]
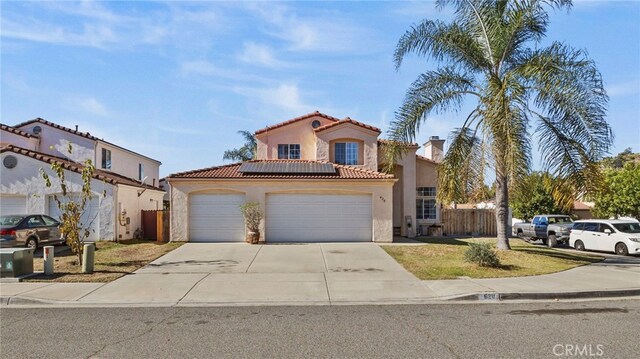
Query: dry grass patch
[[444, 259], [112, 261]]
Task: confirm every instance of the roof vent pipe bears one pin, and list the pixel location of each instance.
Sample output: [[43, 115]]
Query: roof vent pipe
[[76, 128]]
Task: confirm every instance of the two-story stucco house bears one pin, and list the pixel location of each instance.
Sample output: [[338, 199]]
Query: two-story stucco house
[[124, 182], [317, 178]]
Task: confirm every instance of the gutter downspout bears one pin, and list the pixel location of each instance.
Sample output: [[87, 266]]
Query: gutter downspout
[[116, 222]]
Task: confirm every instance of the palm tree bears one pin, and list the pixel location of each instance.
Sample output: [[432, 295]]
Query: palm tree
[[491, 52], [245, 153]]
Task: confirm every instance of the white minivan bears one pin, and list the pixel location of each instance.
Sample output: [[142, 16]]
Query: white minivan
[[607, 235]]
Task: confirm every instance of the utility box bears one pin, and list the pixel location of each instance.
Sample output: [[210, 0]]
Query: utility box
[[16, 262]]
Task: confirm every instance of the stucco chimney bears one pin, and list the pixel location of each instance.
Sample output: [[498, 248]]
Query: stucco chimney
[[434, 149]]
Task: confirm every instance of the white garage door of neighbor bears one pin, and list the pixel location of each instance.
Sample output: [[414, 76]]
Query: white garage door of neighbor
[[318, 218], [216, 218], [90, 217], [13, 205]]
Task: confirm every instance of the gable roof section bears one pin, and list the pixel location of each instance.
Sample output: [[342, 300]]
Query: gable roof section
[[59, 127], [81, 134], [232, 172], [347, 120], [294, 120], [427, 160], [14, 130], [109, 177]]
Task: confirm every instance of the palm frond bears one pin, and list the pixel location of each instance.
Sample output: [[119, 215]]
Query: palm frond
[[462, 168]]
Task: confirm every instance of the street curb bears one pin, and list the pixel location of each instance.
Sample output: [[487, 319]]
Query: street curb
[[592, 294]]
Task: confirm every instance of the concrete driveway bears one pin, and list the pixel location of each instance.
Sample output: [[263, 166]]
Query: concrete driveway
[[285, 273]]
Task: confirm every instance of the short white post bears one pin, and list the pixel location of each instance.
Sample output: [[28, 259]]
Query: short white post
[[87, 258], [48, 254]]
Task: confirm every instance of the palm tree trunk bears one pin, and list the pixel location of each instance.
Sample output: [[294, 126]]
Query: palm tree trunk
[[502, 211]]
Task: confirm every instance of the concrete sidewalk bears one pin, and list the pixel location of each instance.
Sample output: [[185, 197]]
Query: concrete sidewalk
[[313, 274]]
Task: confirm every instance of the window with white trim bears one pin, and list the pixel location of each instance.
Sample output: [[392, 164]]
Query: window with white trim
[[106, 159], [426, 203], [289, 151], [346, 153]]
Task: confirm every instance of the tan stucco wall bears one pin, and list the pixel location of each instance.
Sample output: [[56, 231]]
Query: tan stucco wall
[[298, 132], [128, 200], [426, 174], [367, 139], [256, 191]]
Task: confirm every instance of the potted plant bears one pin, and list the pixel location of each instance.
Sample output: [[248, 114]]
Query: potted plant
[[252, 216]]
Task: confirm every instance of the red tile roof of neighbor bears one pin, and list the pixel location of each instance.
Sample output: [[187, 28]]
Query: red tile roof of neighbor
[[300, 118], [578, 205], [12, 129], [79, 133], [109, 177], [345, 121], [231, 172], [55, 125], [382, 141], [426, 159]]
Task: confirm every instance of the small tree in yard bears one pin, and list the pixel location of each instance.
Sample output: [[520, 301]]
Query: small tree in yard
[[71, 204], [252, 216]]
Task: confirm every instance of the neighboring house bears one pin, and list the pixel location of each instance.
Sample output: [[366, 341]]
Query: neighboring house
[[317, 178], [129, 180], [582, 210]]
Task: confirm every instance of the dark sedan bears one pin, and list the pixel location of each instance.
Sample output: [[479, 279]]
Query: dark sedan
[[31, 231]]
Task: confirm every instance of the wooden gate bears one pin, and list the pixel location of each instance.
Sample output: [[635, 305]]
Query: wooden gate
[[475, 222], [155, 225]]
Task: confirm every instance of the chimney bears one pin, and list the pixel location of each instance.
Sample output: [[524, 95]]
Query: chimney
[[434, 149]]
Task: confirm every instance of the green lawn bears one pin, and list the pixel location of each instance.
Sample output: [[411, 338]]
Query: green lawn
[[443, 258]]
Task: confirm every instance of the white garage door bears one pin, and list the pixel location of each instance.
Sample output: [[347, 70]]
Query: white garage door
[[318, 218], [216, 218], [13, 205], [90, 218]]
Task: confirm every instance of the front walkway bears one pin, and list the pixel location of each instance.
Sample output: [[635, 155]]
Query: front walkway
[[332, 273]]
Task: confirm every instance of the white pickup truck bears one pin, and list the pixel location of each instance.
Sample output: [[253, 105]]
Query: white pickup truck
[[550, 228]]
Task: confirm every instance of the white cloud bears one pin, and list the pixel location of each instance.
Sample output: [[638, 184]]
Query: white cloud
[[321, 32], [259, 54], [623, 89], [91, 106], [285, 98], [209, 69]]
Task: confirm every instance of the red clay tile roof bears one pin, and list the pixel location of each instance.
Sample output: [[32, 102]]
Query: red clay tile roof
[[60, 127], [347, 120], [231, 172], [303, 117], [79, 133], [426, 159], [11, 129], [382, 141], [582, 206], [98, 174]]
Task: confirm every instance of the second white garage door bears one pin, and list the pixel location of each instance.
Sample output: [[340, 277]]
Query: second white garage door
[[216, 218], [318, 218]]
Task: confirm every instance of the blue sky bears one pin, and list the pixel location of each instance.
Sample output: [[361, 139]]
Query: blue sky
[[176, 80]]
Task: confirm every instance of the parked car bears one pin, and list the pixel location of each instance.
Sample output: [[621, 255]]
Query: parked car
[[550, 228], [608, 235], [28, 231]]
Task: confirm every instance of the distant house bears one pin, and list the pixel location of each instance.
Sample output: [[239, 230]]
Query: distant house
[[129, 179], [317, 178], [582, 210]]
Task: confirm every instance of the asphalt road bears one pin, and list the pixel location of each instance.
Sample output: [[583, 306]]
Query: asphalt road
[[602, 329]]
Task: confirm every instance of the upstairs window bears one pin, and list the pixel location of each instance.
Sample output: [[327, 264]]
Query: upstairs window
[[346, 153], [140, 171], [426, 203], [289, 152], [106, 159]]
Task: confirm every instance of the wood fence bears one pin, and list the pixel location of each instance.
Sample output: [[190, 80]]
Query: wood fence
[[155, 225], [476, 222]]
